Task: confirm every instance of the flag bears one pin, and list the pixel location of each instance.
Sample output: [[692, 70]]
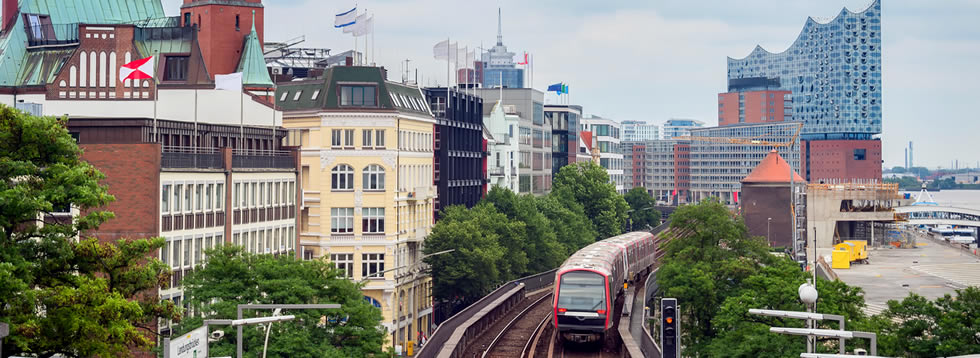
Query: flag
[[564, 89], [441, 50], [525, 60], [555, 87], [360, 25], [346, 18], [736, 196], [675, 192], [229, 82], [137, 70], [365, 27]]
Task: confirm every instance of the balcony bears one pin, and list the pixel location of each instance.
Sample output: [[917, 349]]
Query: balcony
[[495, 170], [191, 158], [262, 159], [420, 193], [45, 34]]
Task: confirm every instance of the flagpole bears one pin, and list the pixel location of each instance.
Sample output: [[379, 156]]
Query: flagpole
[[197, 139], [241, 117], [156, 96]]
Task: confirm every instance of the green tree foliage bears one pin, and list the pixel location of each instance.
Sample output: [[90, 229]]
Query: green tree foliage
[[906, 183], [588, 185], [643, 215], [572, 228], [93, 295], [488, 251], [917, 327], [232, 277], [718, 272], [541, 245]]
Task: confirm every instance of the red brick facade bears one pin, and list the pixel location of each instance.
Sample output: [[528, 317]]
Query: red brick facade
[[135, 183], [220, 39], [106, 48], [842, 160], [755, 107]]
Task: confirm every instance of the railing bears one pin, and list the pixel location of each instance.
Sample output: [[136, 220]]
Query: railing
[[184, 157], [495, 170], [276, 159], [51, 34]]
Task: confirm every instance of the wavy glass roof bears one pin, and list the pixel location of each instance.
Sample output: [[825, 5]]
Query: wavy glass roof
[[833, 70]]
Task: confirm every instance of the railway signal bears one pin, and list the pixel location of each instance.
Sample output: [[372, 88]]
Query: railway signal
[[670, 334]]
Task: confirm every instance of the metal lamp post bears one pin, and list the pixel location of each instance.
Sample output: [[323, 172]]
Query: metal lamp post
[[808, 294], [768, 240]]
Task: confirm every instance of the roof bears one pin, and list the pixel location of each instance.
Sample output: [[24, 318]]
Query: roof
[[16, 64], [252, 63], [407, 99], [772, 169], [586, 138]]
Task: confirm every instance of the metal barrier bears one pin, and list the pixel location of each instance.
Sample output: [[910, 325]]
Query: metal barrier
[[472, 320]]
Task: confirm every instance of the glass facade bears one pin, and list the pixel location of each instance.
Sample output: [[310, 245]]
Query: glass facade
[[513, 77], [833, 70]]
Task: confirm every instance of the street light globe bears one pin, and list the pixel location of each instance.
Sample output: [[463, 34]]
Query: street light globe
[[808, 293]]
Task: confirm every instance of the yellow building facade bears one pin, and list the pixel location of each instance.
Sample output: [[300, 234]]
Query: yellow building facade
[[367, 192]]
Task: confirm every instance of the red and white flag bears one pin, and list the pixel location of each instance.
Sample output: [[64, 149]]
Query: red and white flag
[[137, 70]]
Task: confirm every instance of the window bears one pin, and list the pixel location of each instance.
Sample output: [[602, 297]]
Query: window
[[198, 242], [187, 19], [207, 197], [374, 177], [177, 189], [268, 194], [394, 99], [343, 262], [349, 138], [315, 95], [236, 239], [342, 177], [335, 138], [373, 220], [187, 197], [379, 138], [278, 198], [176, 68], [238, 23], [372, 265], [296, 96], [261, 239], [219, 196], [187, 251], [342, 220], [860, 154], [255, 187], [307, 254], [176, 256], [165, 199], [235, 195], [357, 96], [366, 138], [284, 95]]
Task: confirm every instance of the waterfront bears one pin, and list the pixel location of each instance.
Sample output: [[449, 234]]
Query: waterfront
[[968, 199]]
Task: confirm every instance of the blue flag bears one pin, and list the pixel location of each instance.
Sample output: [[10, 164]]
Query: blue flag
[[555, 87]]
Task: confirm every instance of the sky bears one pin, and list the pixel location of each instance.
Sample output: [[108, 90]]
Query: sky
[[656, 60]]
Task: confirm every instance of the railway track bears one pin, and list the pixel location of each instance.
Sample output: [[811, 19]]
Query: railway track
[[517, 335]]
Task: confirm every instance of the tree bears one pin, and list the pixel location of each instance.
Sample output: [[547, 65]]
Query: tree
[[63, 291], [572, 228], [488, 252], [905, 183], [643, 214], [233, 276], [917, 327], [542, 247], [588, 185]]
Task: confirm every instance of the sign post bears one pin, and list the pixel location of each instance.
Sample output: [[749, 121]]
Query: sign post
[[194, 344]]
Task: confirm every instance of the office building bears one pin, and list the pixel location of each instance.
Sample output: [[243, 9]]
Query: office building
[[606, 133], [754, 106], [499, 68], [502, 164], [533, 135], [676, 127], [367, 194], [717, 167], [660, 166], [458, 148], [565, 120], [634, 131], [62, 58], [833, 75]]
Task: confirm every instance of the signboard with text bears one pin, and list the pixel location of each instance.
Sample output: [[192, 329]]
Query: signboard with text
[[193, 344]]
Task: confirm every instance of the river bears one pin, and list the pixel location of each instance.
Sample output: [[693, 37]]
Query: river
[[969, 199]]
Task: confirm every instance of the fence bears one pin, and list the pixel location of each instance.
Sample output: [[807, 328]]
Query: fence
[[196, 158]]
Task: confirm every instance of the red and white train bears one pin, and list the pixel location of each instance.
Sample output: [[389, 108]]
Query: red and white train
[[588, 283]]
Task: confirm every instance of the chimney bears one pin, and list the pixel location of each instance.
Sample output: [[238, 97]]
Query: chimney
[[9, 13], [348, 61]]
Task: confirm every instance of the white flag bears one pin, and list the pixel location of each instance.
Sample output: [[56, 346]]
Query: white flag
[[441, 50], [365, 27], [359, 23], [346, 18], [229, 82]]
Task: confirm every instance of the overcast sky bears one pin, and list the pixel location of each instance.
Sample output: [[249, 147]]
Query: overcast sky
[[655, 60]]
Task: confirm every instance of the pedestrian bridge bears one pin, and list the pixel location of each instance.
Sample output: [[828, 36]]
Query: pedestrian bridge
[[938, 215]]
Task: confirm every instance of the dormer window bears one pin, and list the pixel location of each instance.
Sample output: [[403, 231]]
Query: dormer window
[[176, 68], [358, 96], [39, 29]]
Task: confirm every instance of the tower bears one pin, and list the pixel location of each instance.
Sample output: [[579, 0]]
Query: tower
[[500, 33], [911, 163], [222, 29]]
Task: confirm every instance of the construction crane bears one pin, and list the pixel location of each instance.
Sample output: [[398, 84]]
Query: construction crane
[[747, 141]]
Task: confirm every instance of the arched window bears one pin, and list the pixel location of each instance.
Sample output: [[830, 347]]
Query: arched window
[[374, 177], [342, 177]]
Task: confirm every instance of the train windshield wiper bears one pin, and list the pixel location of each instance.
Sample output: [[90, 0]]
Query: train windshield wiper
[[597, 305]]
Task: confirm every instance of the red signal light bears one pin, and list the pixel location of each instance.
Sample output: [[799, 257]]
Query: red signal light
[[601, 311], [670, 319], [562, 310]]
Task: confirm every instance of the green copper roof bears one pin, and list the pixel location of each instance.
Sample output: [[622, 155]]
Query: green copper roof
[[16, 62], [252, 64]]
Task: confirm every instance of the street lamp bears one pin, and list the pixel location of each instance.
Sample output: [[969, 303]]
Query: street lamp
[[813, 333], [768, 223]]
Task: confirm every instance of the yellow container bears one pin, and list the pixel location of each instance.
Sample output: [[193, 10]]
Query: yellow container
[[409, 348], [841, 259], [849, 248], [860, 250]]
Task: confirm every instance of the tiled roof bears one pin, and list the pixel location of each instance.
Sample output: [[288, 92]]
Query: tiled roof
[[409, 98], [15, 64], [586, 138], [772, 169], [252, 63]]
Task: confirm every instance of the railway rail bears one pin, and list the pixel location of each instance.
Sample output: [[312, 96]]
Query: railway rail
[[516, 336]]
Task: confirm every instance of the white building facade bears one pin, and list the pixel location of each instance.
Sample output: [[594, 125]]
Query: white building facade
[[607, 137]]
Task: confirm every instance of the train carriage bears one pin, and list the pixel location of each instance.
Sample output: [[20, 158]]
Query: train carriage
[[588, 283]]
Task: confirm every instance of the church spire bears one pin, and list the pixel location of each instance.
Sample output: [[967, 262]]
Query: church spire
[[500, 36]]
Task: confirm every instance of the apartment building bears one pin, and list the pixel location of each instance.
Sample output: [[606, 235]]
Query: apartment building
[[606, 133], [533, 135], [367, 194]]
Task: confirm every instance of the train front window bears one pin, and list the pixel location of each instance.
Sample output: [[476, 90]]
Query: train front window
[[582, 291]]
